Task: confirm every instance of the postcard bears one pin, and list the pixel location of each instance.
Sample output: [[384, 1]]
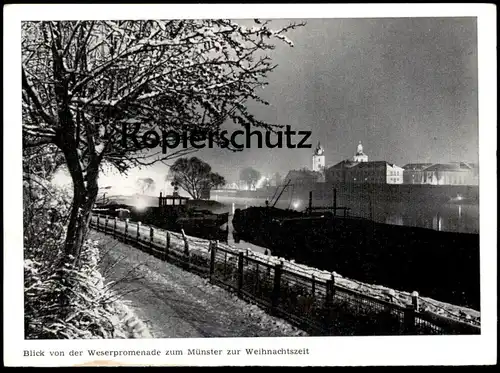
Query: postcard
[[242, 185]]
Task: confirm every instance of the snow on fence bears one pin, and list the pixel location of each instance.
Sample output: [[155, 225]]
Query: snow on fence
[[318, 301]]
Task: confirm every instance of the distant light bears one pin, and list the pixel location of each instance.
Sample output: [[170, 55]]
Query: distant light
[[260, 183], [296, 205], [140, 204]]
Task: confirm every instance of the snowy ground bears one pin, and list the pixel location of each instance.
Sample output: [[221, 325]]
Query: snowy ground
[[401, 298], [175, 303]]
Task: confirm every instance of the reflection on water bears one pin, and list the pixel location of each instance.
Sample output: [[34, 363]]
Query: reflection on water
[[437, 223], [448, 217], [394, 219], [443, 217]]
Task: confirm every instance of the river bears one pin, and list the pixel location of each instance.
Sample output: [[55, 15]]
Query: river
[[453, 217], [462, 218]]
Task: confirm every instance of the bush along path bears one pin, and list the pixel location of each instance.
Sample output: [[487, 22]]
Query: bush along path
[[93, 310], [175, 303]]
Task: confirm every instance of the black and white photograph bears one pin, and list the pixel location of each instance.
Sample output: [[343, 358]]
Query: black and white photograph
[[239, 178]]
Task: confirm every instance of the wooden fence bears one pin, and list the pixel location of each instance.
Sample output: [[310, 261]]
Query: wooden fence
[[317, 305]]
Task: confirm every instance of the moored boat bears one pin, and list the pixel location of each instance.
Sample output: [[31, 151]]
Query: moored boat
[[443, 265], [172, 213]]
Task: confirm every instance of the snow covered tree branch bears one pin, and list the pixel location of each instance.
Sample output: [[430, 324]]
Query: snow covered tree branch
[[83, 80]]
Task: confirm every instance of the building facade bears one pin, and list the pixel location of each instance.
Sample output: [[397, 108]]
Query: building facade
[[360, 170], [338, 173], [449, 174], [454, 173], [378, 172], [304, 177], [414, 173]]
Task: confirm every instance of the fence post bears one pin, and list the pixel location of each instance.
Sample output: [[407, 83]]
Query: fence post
[[106, 224], [213, 249], [415, 301], [151, 237], [98, 216], [310, 201], [330, 293], [186, 243], [240, 271], [114, 228], [138, 231], [334, 202], [125, 233], [313, 285], [186, 249], [167, 246], [275, 298], [410, 313]]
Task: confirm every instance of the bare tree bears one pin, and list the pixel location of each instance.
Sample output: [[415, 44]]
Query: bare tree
[[250, 176], [194, 176], [146, 184], [84, 81]]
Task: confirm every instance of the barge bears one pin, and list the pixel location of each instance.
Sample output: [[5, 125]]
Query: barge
[[440, 265]]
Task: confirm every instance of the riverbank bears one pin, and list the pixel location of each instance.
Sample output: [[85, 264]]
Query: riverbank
[[375, 293], [178, 304]]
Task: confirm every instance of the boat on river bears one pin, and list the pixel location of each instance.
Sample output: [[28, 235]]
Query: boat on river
[[173, 212], [442, 265]]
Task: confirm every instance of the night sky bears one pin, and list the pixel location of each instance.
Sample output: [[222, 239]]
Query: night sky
[[405, 87]]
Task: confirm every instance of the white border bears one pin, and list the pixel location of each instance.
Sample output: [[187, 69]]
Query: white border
[[324, 351]]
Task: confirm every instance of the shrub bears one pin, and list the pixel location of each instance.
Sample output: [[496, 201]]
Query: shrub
[[62, 300]]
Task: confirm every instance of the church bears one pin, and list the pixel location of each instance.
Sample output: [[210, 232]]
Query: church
[[307, 176], [360, 170], [318, 159]]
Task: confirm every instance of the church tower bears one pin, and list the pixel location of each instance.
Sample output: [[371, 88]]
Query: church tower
[[360, 156], [318, 159]]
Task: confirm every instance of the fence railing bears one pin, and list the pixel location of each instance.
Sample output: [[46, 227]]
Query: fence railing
[[317, 305]]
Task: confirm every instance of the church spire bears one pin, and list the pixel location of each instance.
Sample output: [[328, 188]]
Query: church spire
[[360, 156], [318, 158], [360, 148], [319, 150]]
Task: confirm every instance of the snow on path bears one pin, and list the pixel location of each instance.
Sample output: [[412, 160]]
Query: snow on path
[[402, 298], [176, 303]]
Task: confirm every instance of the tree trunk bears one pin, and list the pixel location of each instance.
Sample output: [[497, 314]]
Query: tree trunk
[[85, 190], [79, 222]]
